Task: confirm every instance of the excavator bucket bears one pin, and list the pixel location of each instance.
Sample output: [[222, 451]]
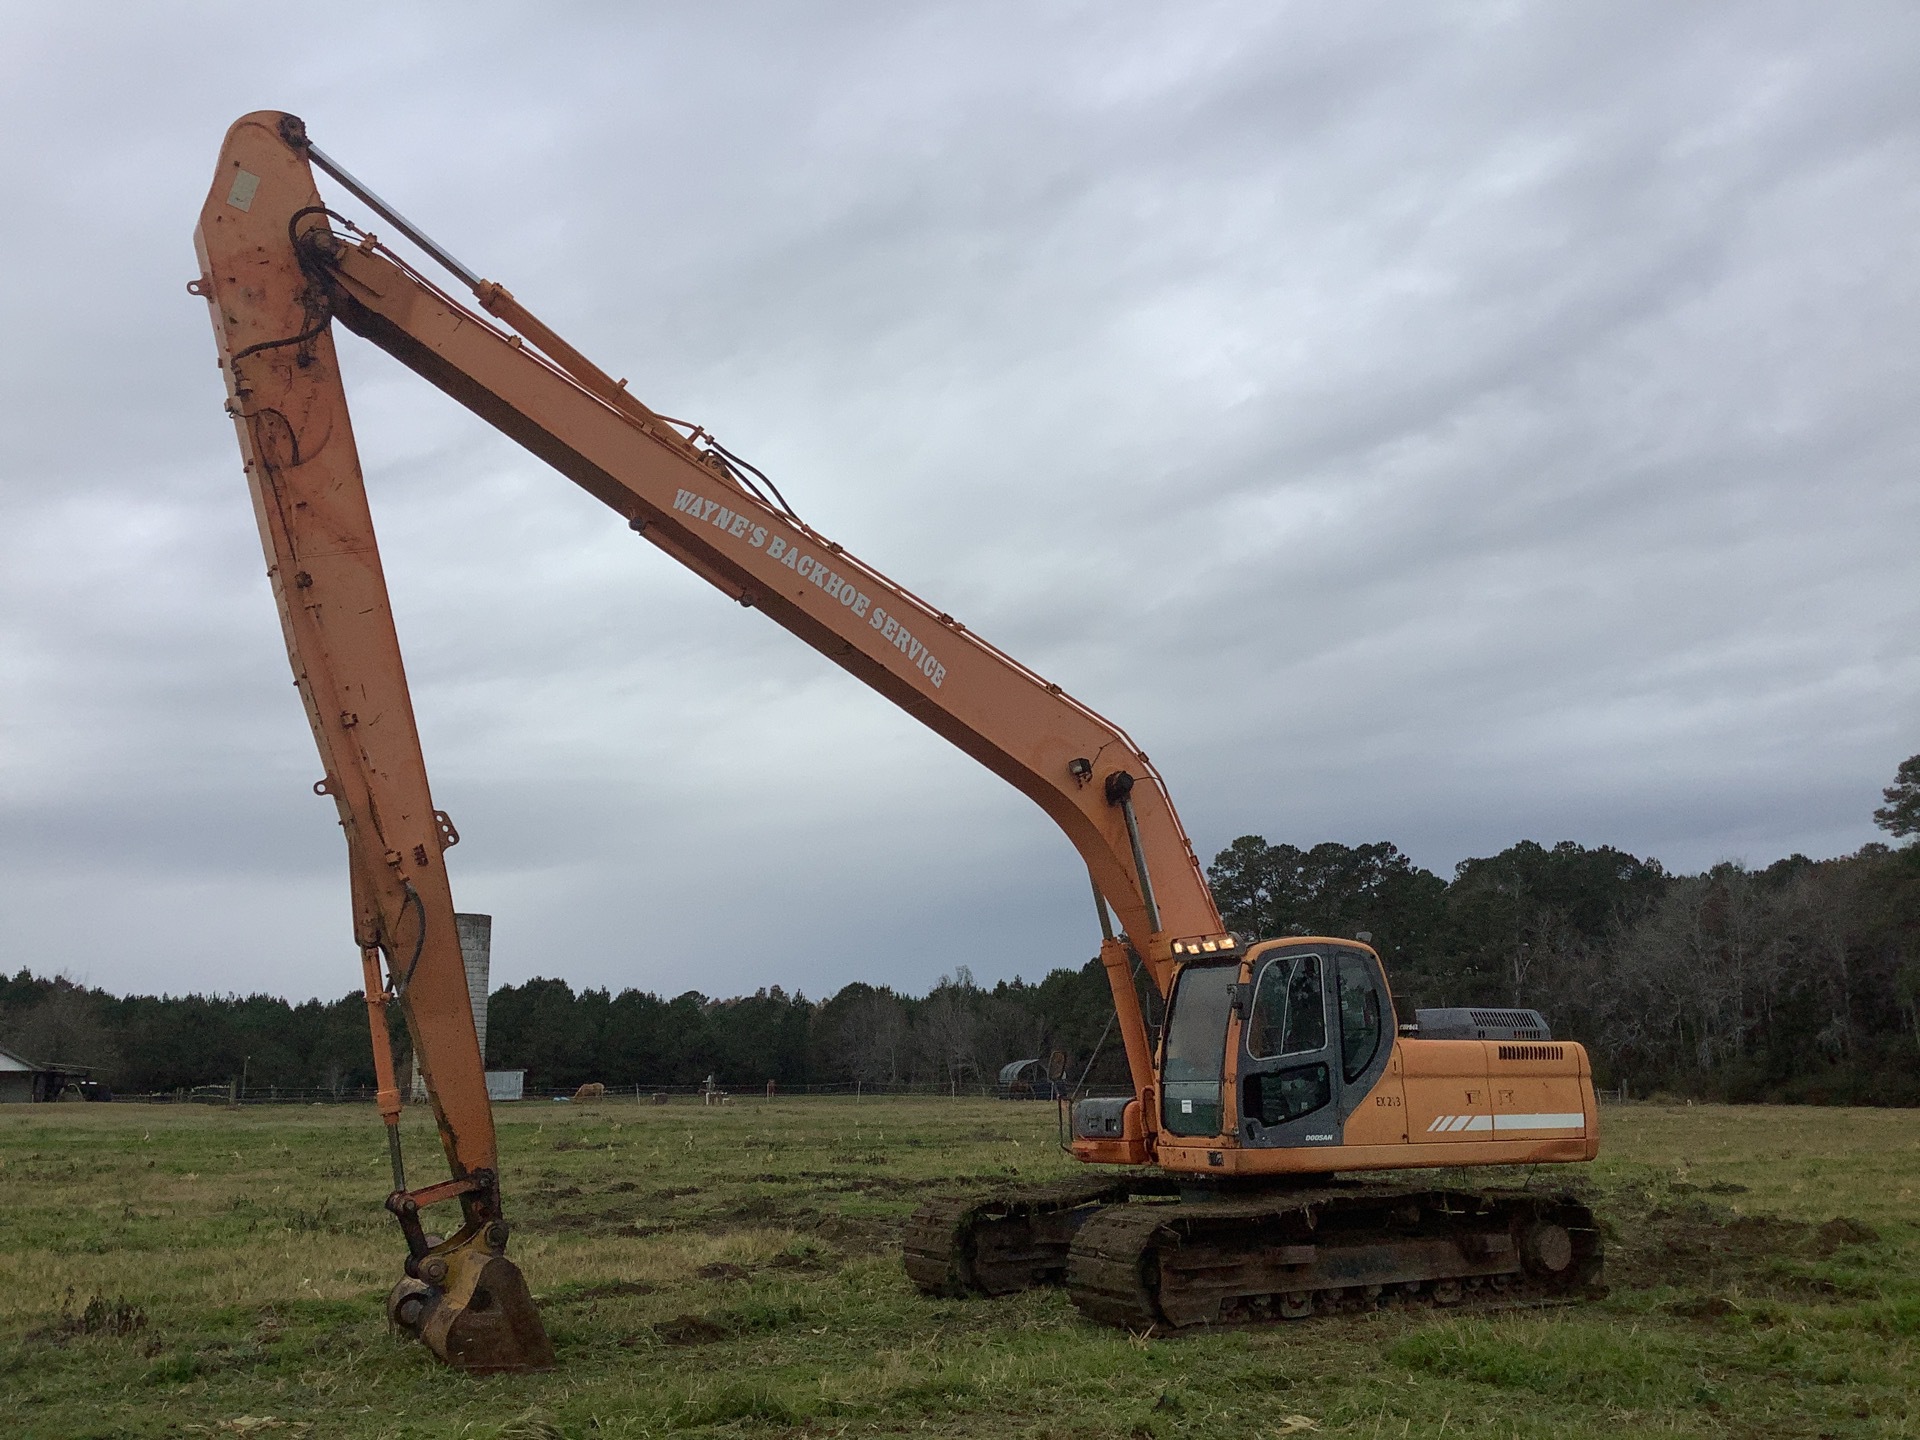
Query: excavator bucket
[[479, 1318]]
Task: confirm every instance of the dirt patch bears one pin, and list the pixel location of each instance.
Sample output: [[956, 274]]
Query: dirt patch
[[1717, 1187], [864, 1184], [862, 1233], [1707, 1247], [1809, 1285], [1842, 1230], [767, 1210], [690, 1330], [720, 1270], [817, 1261], [1702, 1307], [1694, 1243], [665, 1212]]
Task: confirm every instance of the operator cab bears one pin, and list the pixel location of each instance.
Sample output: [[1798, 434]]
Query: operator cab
[[1316, 1034]]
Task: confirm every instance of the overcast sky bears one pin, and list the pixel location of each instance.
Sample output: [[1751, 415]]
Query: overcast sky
[[1449, 425]]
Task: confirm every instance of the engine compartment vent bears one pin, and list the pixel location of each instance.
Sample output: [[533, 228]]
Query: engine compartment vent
[[1533, 1052], [1469, 1023]]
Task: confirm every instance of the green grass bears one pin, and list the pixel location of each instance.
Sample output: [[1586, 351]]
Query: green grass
[[179, 1271]]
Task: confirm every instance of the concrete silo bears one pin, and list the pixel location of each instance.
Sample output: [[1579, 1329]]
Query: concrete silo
[[476, 953]]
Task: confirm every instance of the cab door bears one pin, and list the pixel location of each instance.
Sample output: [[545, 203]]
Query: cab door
[[1289, 1068], [1316, 1039]]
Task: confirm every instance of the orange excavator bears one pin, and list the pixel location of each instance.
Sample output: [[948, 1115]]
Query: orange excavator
[[1268, 1077]]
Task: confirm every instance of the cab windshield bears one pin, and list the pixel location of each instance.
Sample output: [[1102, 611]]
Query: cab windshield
[[1196, 1052]]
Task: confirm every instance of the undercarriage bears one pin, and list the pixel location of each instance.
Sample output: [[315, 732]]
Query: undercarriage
[[1134, 1252]]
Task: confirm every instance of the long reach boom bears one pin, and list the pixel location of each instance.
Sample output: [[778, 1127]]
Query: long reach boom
[[276, 269], [1281, 1063]]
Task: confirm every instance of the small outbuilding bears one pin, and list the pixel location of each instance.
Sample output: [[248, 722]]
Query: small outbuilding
[[1028, 1080], [22, 1081]]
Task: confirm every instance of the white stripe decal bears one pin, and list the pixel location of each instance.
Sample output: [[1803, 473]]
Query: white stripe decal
[[1456, 1124], [1575, 1121]]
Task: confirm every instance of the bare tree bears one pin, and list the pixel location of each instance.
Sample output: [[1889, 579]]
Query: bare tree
[[948, 1028], [1701, 970], [873, 1036], [66, 1028], [1824, 909]]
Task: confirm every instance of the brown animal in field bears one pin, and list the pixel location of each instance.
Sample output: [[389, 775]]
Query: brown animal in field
[[592, 1090]]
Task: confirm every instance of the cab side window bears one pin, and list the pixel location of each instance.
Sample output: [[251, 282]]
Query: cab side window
[[1289, 1008], [1359, 1016]]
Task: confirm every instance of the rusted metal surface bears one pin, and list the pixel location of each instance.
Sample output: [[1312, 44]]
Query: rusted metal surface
[[478, 1316], [462, 1297], [1173, 1266]]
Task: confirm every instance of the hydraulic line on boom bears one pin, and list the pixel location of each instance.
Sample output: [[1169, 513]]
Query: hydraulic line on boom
[[1276, 1063]]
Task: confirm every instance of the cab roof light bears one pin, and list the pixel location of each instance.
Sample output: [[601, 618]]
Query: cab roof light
[[1207, 945]]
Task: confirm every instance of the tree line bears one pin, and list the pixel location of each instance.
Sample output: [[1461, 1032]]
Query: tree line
[[1796, 982]]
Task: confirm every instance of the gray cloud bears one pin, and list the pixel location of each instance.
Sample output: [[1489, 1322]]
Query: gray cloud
[[1447, 426]]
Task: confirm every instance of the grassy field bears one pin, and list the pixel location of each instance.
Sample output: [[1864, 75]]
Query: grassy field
[[179, 1271]]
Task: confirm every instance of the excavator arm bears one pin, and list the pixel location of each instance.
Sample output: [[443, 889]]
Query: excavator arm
[[276, 272]]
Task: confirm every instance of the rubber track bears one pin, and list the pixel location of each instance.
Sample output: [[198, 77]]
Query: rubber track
[[945, 1235], [1124, 1267]]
